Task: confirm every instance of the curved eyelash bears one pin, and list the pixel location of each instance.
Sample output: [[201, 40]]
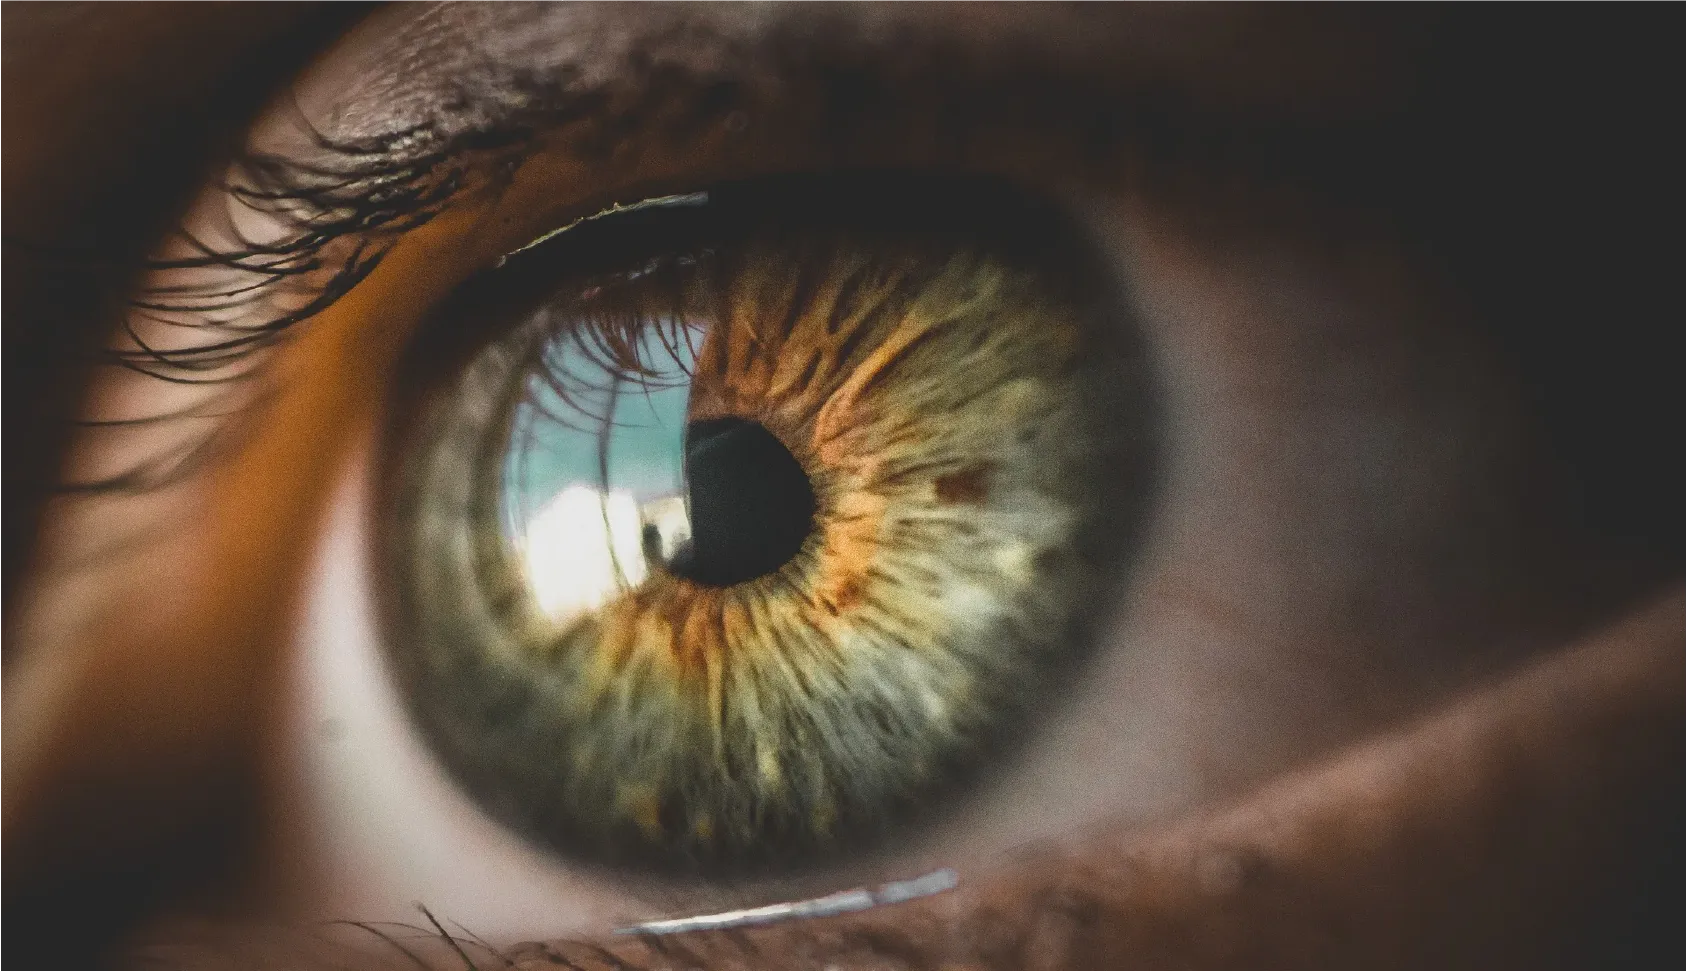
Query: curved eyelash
[[592, 358], [363, 192], [339, 213], [340, 204]]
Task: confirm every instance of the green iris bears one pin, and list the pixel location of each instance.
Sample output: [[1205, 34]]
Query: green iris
[[745, 549]]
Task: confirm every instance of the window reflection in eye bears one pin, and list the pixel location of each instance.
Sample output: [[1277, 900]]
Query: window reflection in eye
[[1347, 537]]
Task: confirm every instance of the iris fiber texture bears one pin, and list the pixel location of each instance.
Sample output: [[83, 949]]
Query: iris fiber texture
[[956, 407]]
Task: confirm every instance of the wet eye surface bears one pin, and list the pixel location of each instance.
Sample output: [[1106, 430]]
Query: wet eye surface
[[733, 532]]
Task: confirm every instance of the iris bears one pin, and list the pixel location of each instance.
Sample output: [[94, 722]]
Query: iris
[[760, 525]]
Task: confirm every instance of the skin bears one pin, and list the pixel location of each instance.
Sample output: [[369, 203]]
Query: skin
[[1463, 771]]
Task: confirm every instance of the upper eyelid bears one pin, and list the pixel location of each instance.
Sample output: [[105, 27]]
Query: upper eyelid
[[348, 194], [392, 152], [337, 203], [371, 186]]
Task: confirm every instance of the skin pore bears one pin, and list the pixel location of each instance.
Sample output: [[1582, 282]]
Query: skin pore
[[1403, 680]]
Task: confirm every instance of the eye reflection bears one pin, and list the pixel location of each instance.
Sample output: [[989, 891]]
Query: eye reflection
[[594, 497], [593, 510], [742, 557]]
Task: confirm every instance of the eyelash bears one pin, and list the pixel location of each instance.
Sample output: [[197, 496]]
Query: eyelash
[[376, 196], [343, 212]]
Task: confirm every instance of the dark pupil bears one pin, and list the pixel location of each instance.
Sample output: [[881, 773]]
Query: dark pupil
[[751, 503]]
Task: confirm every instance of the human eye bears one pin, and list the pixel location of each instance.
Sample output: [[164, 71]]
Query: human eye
[[1341, 531]]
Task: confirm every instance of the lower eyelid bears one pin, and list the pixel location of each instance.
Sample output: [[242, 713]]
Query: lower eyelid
[[1325, 865]]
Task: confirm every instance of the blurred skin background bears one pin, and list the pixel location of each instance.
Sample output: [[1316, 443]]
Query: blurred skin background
[[1415, 687]]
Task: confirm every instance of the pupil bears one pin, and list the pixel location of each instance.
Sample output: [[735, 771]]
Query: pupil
[[751, 503]]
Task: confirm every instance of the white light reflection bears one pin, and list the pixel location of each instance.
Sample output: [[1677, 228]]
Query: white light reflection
[[583, 549], [594, 481]]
